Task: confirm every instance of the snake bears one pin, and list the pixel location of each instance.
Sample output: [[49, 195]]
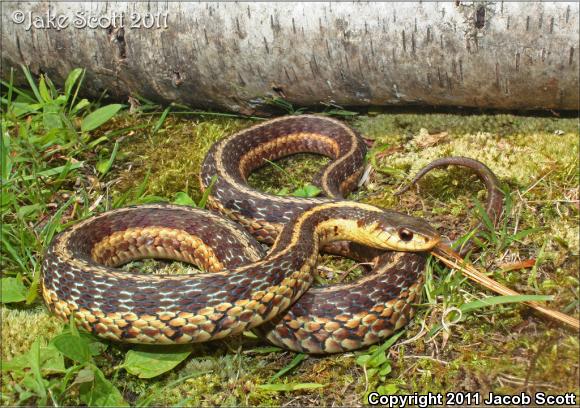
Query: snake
[[245, 287]]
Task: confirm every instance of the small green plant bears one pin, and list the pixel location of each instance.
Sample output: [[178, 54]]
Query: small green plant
[[306, 191], [377, 365], [152, 361]]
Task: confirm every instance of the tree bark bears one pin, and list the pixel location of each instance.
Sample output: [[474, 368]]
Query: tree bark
[[234, 56]]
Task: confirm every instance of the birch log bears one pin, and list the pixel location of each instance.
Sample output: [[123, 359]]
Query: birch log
[[234, 56]]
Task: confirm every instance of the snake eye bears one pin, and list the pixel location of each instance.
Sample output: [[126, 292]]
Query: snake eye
[[405, 234]]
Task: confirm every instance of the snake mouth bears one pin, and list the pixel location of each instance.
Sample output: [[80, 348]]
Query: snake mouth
[[431, 243]]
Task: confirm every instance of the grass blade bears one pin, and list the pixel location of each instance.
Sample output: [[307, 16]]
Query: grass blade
[[6, 164], [32, 293], [484, 216], [380, 350], [10, 88], [100, 116], [43, 89], [500, 300], [105, 166], [22, 94], [299, 358], [492, 301], [290, 387], [12, 252], [202, 203], [49, 229], [71, 79], [32, 84], [160, 121], [53, 171]]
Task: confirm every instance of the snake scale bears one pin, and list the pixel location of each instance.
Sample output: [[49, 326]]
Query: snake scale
[[243, 286]]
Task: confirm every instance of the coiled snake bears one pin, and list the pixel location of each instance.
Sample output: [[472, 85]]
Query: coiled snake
[[244, 288]]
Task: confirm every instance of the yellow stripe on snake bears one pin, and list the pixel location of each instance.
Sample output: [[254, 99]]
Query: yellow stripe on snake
[[244, 287]]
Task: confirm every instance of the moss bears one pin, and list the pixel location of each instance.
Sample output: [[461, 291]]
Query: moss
[[288, 173], [406, 125], [172, 156], [21, 327]]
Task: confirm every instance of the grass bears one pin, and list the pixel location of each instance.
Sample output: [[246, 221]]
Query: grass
[[65, 158]]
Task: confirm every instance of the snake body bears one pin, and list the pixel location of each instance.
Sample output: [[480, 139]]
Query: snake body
[[80, 278], [246, 288]]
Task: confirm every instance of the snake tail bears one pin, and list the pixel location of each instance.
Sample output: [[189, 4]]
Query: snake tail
[[495, 197]]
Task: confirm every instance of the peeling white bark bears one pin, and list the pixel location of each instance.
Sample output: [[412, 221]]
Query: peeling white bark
[[232, 56]]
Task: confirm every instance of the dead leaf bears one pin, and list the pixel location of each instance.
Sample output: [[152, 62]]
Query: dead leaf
[[513, 266], [426, 139]]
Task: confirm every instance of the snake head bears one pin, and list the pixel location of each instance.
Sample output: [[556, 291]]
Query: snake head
[[399, 232], [374, 227]]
